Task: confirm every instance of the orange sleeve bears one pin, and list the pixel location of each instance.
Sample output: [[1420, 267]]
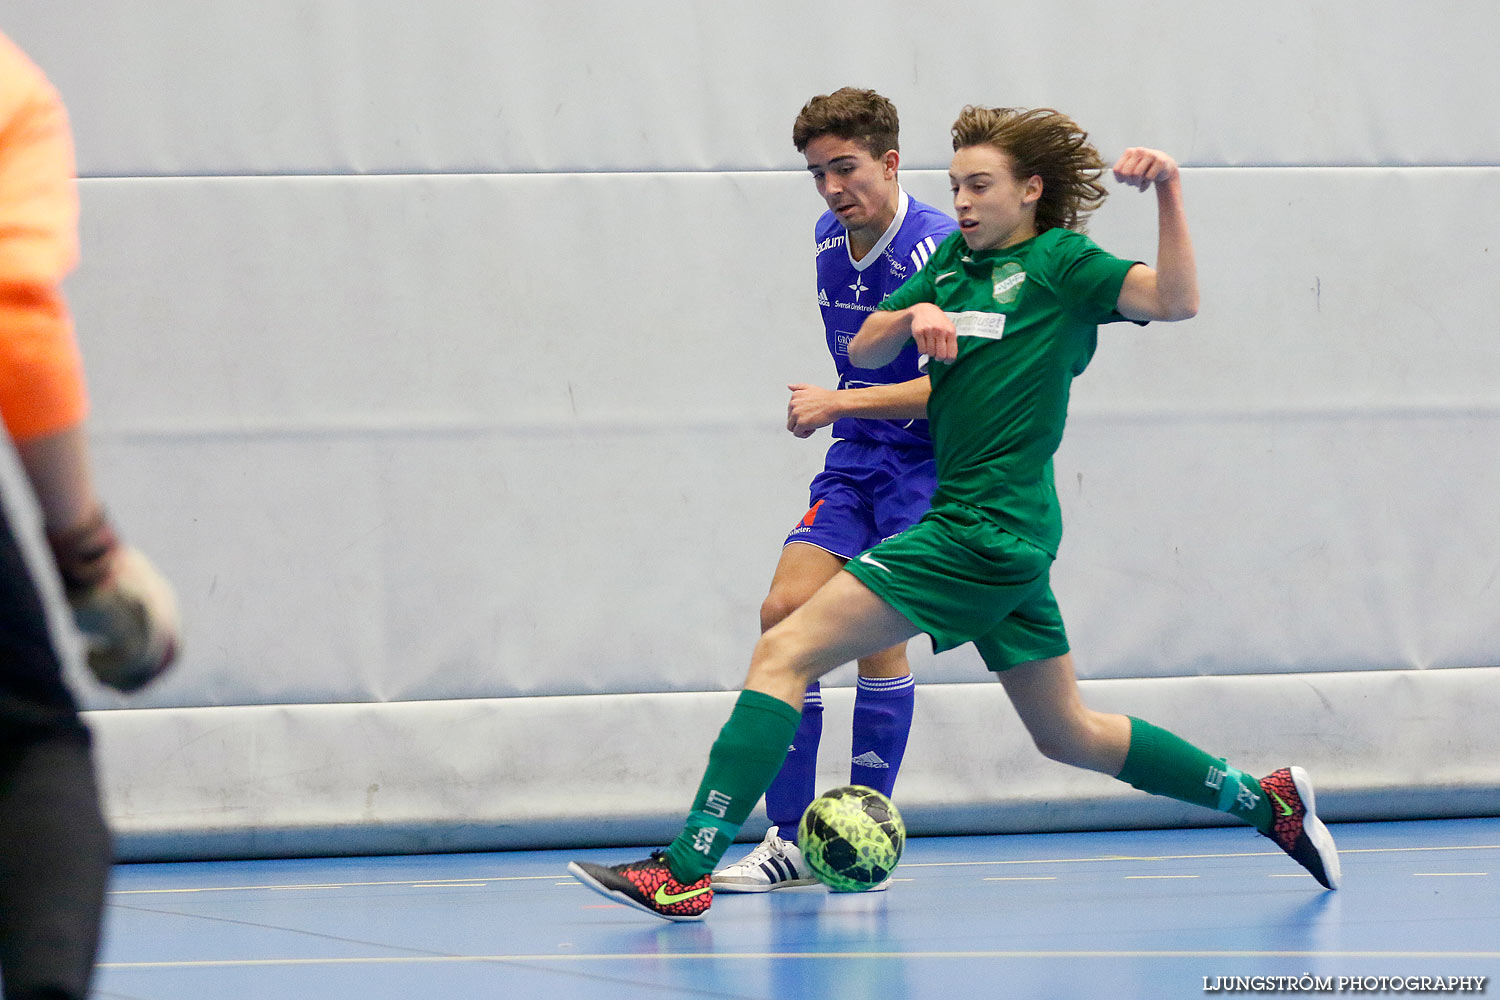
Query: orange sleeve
[[41, 373]]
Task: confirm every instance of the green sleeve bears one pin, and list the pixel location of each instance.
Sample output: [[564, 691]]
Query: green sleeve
[[1090, 279]]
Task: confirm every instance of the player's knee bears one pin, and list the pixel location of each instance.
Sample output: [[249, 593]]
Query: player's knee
[[1081, 742], [770, 656], [1063, 748], [776, 663], [779, 603]]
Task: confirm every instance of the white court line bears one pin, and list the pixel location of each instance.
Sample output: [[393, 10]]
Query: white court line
[[1020, 878], [1084, 861], [783, 956], [1450, 874], [1186, 857], [1398, 850], [1161, 876], [448, 885]]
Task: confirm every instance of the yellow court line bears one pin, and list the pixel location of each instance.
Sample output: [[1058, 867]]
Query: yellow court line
[[788, 956], [330, 885]]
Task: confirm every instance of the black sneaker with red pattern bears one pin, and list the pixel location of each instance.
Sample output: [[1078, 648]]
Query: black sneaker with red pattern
[[647, 885], [1296, 828]]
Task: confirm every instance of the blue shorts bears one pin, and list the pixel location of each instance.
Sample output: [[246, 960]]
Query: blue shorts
[[865, 494]]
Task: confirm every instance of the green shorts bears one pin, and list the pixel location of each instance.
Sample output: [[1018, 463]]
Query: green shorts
[[961, 578]]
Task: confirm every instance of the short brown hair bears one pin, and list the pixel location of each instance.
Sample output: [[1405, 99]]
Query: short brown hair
[[1041, 143], [861, 116]]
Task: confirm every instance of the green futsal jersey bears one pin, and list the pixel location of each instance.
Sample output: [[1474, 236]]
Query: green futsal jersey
[[1027, 317]]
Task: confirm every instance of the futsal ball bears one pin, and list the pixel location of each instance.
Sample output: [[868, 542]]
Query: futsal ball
[[851, 838]]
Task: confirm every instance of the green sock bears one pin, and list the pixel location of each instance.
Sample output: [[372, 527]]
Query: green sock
[[1165, 764], [744, 759]]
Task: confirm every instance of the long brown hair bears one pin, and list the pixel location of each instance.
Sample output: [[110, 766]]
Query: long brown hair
[[1042, 143]]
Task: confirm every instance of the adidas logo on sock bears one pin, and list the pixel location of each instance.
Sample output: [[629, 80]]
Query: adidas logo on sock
[[869, 759]]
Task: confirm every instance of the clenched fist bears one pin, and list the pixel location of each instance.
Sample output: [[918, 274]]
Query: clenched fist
[[125, 609]]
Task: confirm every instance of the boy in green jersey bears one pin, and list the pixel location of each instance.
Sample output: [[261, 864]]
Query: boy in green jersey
[[1007, 310]]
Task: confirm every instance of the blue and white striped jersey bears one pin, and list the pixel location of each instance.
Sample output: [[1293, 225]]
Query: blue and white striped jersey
[[850, 291]]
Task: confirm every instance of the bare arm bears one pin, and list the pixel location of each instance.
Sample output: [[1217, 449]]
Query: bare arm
[[1168, 291], [58, 467], [124, 608], [812, 406]]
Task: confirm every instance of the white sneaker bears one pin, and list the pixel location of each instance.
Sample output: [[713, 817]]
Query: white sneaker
[[775, 864]]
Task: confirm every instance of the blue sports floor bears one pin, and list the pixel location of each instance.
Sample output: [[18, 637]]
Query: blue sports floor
[[1098, 915]]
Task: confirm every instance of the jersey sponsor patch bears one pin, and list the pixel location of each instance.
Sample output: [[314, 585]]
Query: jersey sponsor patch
[[830, 243], [981, 325], [984, 325]]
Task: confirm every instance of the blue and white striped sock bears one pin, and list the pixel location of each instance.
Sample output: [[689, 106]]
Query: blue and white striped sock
[[882, 722]]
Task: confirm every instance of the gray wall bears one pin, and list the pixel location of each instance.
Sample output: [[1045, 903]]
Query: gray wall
[[439, 357]]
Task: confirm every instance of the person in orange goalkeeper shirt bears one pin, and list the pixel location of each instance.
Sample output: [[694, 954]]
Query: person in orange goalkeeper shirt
[[54, 848]]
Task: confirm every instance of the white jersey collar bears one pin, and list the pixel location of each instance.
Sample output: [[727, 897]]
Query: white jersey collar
[[885, 238]]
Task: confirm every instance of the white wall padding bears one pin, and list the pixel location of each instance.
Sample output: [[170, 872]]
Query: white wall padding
[[529, 772], [419, 439], [383, 86]]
